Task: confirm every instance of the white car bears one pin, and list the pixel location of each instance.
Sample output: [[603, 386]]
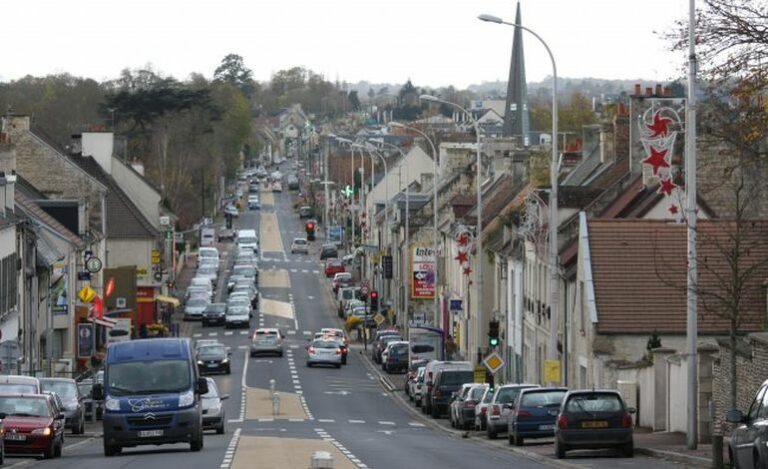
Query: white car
[[194, 308], [254, 202], [277, 186], [231, 210], [300, 245]]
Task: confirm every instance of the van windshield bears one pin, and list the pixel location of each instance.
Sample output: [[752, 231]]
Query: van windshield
[[148, 377], [247, 240]]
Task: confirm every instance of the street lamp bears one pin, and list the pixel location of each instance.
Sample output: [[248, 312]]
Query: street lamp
[[352, 204], [479, 234], [434, 209], [554, 297]]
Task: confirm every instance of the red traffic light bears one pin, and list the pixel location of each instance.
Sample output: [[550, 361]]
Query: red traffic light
[[310, 226], [374, 294]]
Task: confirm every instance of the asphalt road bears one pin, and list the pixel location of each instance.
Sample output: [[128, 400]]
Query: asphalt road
[[346, 411]]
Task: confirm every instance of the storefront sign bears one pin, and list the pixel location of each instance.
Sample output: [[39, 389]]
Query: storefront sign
[[84, 340], [423, 273]]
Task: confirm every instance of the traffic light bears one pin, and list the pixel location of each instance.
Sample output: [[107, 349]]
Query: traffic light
[[374, 297], [310, 231], [493, 333]]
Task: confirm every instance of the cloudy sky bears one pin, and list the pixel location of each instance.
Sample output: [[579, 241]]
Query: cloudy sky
[[433, 42]]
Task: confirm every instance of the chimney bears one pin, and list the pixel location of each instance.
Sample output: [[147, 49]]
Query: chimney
[[649, 91], [638, 89], [99, 145], [658, 89]]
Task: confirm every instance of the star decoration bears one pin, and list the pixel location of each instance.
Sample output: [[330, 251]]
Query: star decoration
[[467, 270], [461, 257], [657, 159], [673, 209], [660, 126], [463, 239], [667, 186]]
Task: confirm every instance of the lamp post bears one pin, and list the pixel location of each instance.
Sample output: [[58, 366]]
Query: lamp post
[[352, 204], [434, 210], [479, 229], [554, 281]]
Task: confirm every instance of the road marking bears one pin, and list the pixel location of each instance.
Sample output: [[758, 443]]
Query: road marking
[[196, 335], [242, 347], [307, 332], [356, 421], [294, 346], [213, 334], [326, 421], [244, 332], [386, 423], [292, 332], [315, 272], [265, 420], [228, 333], [416, 424], [231, 448]]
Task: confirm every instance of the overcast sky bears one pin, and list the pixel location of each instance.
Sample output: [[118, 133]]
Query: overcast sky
[[433, 42]]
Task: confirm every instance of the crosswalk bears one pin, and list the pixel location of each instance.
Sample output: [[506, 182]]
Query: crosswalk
[[291, 332], [383, 423]]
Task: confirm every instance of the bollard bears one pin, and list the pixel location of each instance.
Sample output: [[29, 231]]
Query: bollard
[[321, 460], [272, 387], [717, 451], [275, 404]]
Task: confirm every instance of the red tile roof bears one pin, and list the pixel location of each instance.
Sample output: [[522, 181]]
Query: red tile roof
[[639, 271]]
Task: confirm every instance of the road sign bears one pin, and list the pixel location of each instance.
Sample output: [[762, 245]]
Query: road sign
[[155, 256], [379, 318], [493, 362], [455, 305], [552, 371], [480, 374]]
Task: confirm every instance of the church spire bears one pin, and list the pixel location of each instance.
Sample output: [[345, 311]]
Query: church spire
[[516, 111]]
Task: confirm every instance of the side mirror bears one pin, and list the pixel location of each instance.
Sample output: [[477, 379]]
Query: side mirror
[[453, 396], [201, 386], [509, 405], [97, 392], [3, 415], [631, 410], [735, 416], [229, 354], [224, 397]]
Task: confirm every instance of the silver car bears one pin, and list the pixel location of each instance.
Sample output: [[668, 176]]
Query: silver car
[[267, 340], [324, 352], [300, 245], [238, 315], [194, 308], [501, 403], [214, 415]]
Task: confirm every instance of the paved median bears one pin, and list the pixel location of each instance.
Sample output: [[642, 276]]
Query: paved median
[[259, 405], [271, 452]]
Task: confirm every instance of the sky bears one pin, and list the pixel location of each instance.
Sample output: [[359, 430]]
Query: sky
[[432, 42]]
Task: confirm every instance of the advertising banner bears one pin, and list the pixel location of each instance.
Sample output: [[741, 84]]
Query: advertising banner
[[84, 340], [423, 262]]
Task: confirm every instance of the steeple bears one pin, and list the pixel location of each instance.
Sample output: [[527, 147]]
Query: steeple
[[516, 112]]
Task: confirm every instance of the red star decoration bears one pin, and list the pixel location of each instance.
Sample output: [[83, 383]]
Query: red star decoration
[[673, 209], [467, 270], [657, 159], [660, 126], [667, 186], [463, 239], [461, 257]]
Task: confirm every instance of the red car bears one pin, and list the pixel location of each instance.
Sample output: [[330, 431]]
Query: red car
[[333, 267], [31, 425]]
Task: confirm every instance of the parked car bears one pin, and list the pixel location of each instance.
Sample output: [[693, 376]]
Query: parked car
[[395, 357], [748, 444], [464, 405], [500, 405], [481, 410], [226, 234], [332, 267], [214, 314], [534, 414], [416, 386], [90, 405], [595, 419], [431, 373], [456, 403], [329, 251], [213, 358], [345, 294], [341, 279], [300, 245], [410, 375], [446, 382], [324, 352], [305, 212], [72, 401], [267, 340], [25, 415], [380, 343], [214, 414]]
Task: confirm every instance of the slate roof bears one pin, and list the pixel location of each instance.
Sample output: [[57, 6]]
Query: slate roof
[[124, 219], [33, 210], [639, 272]]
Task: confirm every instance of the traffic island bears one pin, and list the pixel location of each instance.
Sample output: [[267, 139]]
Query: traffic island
[[271, 452], [277, 278], [259, 405]]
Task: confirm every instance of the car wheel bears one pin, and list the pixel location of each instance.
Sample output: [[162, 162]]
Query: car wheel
[[309, 365], [434, 412], [629, 452], [253, 355], [229, 370], [81, 430], [197, 443], [57, 449], [338, 365], [220, 429], [50, 451], [111, 450], [519, 441], [491, 434], [280, 354], [559, 449]]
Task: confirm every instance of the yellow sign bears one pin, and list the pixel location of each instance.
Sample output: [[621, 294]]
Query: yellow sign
[[493, 362], [155, 256], [379, 319], [480, 374], [552, 371], [86, 294], [141, 271]]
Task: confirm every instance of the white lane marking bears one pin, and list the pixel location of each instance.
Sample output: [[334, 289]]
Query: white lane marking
[[310, 297], [244, 332], [294, 346], [326, 420], [228, 333], [304, 271], [356, 421], [265, 420], [416, 424], [292, 332], [386, 423], [229, 456], [315, 272], [307, 332], [213, 334], [196, 335], [242, 347]]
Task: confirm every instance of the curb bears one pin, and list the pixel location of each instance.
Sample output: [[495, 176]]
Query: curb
[[676, 457]]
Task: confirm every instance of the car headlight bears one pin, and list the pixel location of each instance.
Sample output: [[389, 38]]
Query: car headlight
[[200, 362], [42, 431], [226, 360], [186, 399], [112, 404]]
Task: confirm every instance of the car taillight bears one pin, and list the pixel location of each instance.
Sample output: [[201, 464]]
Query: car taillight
[[496, 410], [562, 421], [338, 351], [312, 350], [626, 421], [523, 413], [469, 404]]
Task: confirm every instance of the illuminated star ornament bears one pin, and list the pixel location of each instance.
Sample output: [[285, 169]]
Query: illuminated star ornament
[[657, 159], [673, 209], [461, 257], [660, 125], [667, 186], [463, 239], [467, 270]]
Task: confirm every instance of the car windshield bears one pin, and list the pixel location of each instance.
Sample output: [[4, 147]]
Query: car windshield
[[476, 393], [65, 389], [325, 344], [247, 240], [507, 395], [266, 333], [24, 406], [148, 377], [300, 241], [213, 392], [8, 388], [592, 403], [85, 389], [212, 350], [197, 302], [216, 308], [208, 253], [245, 271], [542, 399], [237, 310]]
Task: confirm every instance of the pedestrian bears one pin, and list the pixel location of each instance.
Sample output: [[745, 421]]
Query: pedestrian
[[450, 347]]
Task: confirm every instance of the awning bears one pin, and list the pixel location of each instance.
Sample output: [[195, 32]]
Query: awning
[[168, 299], [109, 323]]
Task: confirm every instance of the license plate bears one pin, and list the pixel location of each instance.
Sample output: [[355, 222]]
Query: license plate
[[595, 424], [211, 365], [150, 433], [15, 437], [546, 427]]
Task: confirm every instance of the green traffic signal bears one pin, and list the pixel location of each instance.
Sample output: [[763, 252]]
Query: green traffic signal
[[493, 341]]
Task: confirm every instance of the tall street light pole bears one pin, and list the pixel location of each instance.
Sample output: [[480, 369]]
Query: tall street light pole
[[434, 213], [554, 274], [479, 229], [352, 204]]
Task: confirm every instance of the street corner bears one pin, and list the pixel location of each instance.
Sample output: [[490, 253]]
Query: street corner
[[259, 405], [282, 309], [273, 452], [277, 278]]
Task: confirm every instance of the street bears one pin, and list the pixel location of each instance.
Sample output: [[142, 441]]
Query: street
[[347, 411]]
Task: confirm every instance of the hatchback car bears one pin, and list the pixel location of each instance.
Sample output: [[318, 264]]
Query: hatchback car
[[329, 251], [463, 406], [501, 404], [455, 405], [590, 419], [446, 382], [395, 357], [534, 414], [214, 314], [31, 425], [213, 359], [193, 309], [238, 315], [253, 202], [415, 387], [749, 436], [305, 212], [381, 343], [324, 352], [267, 340], [300, 245], [71, 399], [340, 280], [481, 409], [214, 415]]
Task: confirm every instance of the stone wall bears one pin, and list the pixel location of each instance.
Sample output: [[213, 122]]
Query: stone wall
[[751, 371]]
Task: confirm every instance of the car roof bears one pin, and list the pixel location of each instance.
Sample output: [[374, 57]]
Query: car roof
[[16, 379], [143, 349], [59, 380]]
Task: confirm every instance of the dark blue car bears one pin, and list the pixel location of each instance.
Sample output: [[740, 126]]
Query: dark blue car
[[534, 414]]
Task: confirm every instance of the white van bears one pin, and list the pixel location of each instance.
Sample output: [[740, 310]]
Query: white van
[[248, 239], [207, 252], [207, 236]]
